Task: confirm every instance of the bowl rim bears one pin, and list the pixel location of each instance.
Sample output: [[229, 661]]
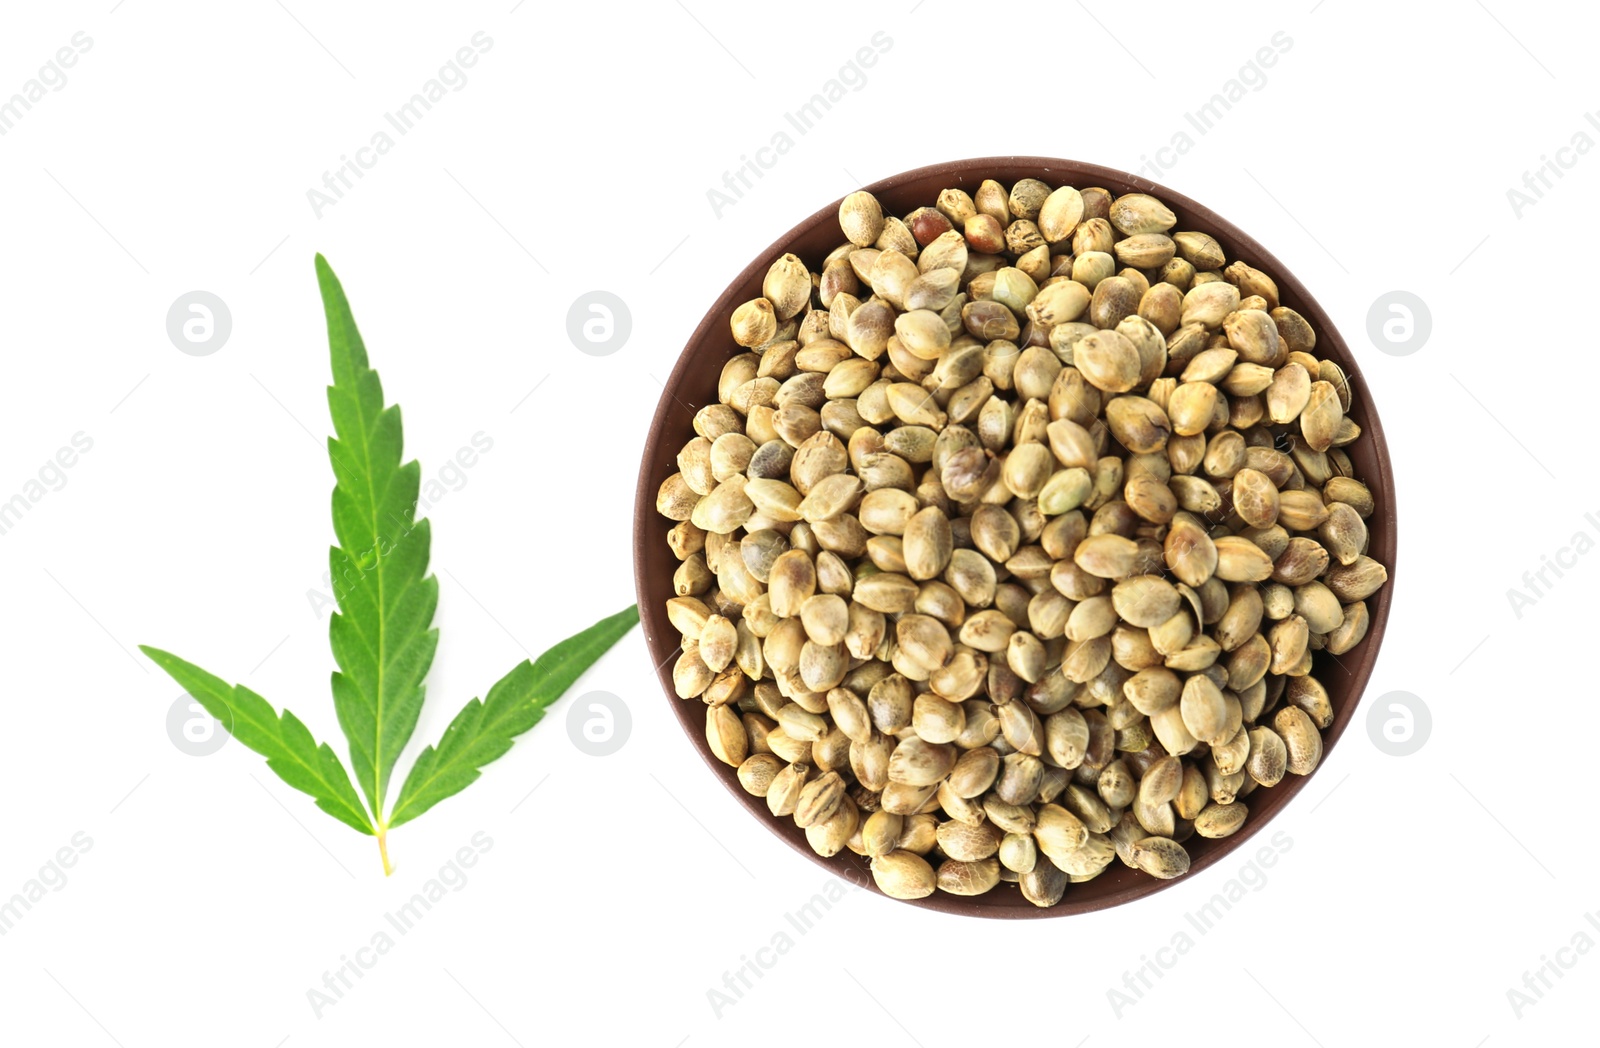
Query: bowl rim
[[649, 549]]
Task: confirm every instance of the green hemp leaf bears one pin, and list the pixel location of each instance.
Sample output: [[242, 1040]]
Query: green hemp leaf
[[382, 636]]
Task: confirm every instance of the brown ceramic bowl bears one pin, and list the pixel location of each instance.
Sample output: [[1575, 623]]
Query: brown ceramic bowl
[[693, 384]]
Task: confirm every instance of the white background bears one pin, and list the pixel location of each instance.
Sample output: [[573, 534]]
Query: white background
[[1377, 156]]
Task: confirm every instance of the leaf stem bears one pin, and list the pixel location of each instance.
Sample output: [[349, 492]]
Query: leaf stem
[[383, 850]]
